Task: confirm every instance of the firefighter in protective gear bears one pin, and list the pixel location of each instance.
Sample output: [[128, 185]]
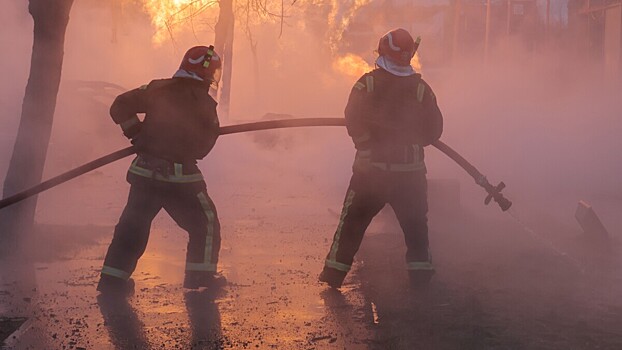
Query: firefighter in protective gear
[[180, 127], [391, 116]]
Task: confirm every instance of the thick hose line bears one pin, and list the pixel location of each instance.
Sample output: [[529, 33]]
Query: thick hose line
[[126, 152], [280, 124], [456, 157], [225, 130], [494, 192], [64, 177]]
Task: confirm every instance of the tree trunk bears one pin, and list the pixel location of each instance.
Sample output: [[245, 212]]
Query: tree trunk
[[30, 149], [223, 44]]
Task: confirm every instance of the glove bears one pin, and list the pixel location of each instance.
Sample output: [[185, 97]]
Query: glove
[[132, 131], [135, 141]]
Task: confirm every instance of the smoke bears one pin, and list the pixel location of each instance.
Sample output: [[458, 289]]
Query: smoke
[[545, 123], [541, 120]]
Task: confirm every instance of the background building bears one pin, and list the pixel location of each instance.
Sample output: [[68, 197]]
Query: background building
[[596, 29]]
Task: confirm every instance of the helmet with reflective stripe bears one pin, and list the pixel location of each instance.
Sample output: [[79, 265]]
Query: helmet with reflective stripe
[[202, 61], [397, 45]]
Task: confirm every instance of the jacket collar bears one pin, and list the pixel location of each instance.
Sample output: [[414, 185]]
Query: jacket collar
[[181, 73], [393, 68]]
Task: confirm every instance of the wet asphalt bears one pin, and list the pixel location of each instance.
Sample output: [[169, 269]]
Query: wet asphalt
[[496, 286]]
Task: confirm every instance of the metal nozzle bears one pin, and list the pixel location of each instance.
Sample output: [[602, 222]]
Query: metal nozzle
[[495, 193]]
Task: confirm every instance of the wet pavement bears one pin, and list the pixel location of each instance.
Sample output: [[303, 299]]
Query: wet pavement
[[273, 249], [495, 288]]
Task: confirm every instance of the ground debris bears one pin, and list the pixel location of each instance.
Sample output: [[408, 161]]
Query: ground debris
[[324, 337]]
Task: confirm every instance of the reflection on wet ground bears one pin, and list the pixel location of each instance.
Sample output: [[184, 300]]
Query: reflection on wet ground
[[494, 287], [204, 319], [272, 299], [124, 327], [127, 331]]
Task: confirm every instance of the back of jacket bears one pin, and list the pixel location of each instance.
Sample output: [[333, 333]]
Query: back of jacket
[[391, 118], [180, 125]]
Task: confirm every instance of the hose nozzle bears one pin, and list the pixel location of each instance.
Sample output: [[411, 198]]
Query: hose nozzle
[[494, 192]]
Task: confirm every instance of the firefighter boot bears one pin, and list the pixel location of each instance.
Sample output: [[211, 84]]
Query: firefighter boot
[[115, 287], [420, 279], [198, 279], [334, 278]]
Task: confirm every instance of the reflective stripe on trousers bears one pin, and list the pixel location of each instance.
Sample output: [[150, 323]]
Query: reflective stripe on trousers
[[419, 265], [114, 272], [207, 264], [332, 257]]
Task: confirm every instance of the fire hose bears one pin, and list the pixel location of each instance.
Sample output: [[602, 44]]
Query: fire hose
[[494, 192]]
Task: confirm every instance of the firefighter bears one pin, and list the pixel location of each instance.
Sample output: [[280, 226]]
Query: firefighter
[[180, 127], [391, 116]]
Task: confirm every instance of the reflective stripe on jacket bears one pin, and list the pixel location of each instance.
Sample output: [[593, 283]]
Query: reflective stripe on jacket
[[390, 119], [163, 170]]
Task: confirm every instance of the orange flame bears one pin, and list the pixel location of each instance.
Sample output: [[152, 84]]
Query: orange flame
[[416, 63], [168, 15], [351, 65], [354, 66], [339, 20]]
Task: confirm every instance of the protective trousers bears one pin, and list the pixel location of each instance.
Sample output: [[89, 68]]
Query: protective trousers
[[367, 194], [191, 208]]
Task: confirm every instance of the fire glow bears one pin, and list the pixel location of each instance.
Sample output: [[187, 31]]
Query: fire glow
[[172, 16], [354, 66], [166, 15], [351, 65], [339, 20]]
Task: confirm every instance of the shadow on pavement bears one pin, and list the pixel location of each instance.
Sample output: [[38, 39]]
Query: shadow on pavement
[[348, 312], [125, 329], [204, 319]]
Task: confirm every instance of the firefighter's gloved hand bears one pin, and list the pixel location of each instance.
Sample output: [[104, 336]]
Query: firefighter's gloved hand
[[135, 141], [132, 131]]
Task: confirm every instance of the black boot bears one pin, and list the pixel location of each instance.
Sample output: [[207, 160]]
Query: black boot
[[198, 279], [420, 279], [332, 277], [115, 287]]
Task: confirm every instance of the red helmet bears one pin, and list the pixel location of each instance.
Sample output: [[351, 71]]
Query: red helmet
[[398, 45], [202, 61]]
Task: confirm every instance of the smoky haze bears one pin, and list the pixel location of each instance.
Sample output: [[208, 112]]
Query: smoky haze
[[543, 121]]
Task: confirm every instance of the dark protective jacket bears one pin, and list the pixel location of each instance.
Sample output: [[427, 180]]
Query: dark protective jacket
[[391, 118], [180, 127], [180, 124]]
